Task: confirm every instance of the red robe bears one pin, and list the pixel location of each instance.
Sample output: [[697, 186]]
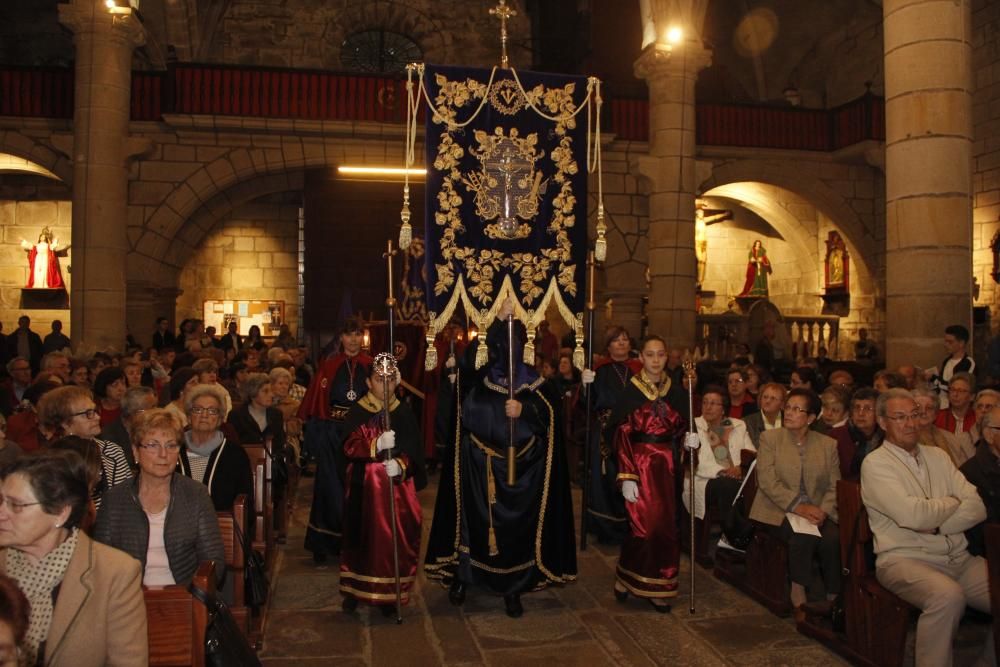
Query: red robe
[[316, 402], [650, 555], [366, 561], [52, 275]]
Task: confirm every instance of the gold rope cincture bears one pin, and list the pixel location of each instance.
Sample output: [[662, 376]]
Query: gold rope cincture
[[491, 492]]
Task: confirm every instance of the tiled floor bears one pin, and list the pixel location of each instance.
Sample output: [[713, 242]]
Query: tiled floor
[[579, 624]]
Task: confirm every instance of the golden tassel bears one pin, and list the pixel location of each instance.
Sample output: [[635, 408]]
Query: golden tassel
[[482, 354], [491, 499], [431, 356], [579, 356], [529, 348]]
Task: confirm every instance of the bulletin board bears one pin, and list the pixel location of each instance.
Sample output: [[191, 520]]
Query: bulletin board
[[268, 315]]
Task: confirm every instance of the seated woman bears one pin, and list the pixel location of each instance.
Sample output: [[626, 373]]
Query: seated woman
[[91, 456], [182, 380], [9, 450], [163, 519], [71, 411], [109, 390], [207, 457], [257, 419], [86, 598], [722, 438], [835, 400], [797, 474]]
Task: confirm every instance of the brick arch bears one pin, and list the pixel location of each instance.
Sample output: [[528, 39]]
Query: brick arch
[[430, 34], [15, 143], [810, 188]]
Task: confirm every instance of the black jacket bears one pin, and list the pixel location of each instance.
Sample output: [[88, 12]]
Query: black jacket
[[250, 433], [983, 472], [227, 475], [34, 345], [116, 432]]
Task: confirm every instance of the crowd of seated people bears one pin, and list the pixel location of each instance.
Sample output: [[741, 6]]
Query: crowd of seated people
[[112, 469]]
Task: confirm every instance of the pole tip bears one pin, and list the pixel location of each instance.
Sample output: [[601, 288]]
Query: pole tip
[[399, 621]]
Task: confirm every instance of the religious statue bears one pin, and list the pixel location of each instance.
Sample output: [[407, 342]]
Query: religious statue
[[703, 217], [838, 268], [758, 266], [43, 265]]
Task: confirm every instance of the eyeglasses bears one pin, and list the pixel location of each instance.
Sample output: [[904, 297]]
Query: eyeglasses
[[156, 446], [89, 413], [14, 507], [795, 409], [863, 409], [903, 418], [211, 412]]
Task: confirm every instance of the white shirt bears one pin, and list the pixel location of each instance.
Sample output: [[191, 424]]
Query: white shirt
[[157, 565]]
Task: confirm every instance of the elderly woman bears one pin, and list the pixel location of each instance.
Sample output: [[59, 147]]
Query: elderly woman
[[281, 384], [257, 419], [208, 373], [183, 380], [86, 598], [78, 374], [207, 456], [163, 519], [797, 474], [71, 411], [109, 388], [958, 447], [722, 438], [835, 400]]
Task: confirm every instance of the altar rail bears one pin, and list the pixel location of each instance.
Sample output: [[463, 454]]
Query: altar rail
[[229, 90], [718, 335]]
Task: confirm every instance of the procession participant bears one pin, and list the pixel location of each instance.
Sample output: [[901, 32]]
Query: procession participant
[[339, 383], [605, 508], [644, 441], [508, 539], [366, 563]]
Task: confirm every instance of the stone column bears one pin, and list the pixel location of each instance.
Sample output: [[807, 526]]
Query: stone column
[[670, 171], [104, 45], [928, 175]]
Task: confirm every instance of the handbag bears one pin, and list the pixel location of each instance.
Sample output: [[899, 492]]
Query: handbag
[[736, 525], [255, 582], [225, 645]]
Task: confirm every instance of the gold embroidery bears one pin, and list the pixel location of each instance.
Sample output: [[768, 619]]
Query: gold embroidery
[[365, 595], [638, 592], [347, 574], [507, 570], [506, 97], [625, 475], [646, 580], [650, 389]]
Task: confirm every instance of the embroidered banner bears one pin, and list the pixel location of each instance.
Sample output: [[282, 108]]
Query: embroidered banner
[[507, 157]]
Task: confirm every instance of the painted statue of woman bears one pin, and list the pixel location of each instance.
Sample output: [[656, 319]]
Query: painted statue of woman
[[758, 266]]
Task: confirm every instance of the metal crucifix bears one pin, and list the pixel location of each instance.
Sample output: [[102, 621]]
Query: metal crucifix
[[503, 12]]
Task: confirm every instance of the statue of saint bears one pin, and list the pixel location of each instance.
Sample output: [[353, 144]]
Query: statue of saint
[[703, 217], [43, 265], [758, 266]]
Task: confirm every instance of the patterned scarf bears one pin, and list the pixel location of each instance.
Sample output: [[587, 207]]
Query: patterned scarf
[[36, 582]]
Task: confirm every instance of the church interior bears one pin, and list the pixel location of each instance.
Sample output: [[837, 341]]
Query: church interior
[[803, 174]]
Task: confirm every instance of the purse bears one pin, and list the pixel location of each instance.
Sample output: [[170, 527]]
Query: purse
[[255, 582], [736, 525], [225, 645]]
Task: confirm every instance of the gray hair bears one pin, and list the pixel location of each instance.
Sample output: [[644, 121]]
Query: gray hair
[[48, 359], [888, 395], [253, 384], [280, 374], [10, 364], [965, 377], [924, 391], [135, 400], [988, 392], [202, 390]]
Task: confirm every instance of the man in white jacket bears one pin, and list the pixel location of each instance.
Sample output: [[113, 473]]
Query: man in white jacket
[[919, 506]]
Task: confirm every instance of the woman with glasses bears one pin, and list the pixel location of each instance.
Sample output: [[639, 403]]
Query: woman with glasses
[[71, 410], [163, 519], [207, 456], [797, 474], [85, 598]]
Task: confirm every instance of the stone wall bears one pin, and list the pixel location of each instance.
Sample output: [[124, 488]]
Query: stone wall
[[24, 219], [986, 149], [250, 254], [305, 33]]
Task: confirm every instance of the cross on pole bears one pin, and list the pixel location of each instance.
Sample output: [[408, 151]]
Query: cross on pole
[[503, 12]]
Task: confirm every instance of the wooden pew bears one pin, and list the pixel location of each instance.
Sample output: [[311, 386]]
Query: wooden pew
[[279, 498], [260, 464], [177, 622], [236, 561], [991, 532], [876, 620]]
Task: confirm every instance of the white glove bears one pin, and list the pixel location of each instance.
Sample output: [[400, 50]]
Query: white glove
[[692, 442], [587, 376], [450, 363], [392, 468], [630, 490], [385, 441]]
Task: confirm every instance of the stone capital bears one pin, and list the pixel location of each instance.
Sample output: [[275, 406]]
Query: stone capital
[[90, 19], [664, 61]]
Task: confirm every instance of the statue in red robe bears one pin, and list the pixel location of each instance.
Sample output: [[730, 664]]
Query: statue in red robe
[[43, 264]]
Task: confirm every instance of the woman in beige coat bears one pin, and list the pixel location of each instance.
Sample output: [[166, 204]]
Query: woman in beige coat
[[98, 616], [797, 474]]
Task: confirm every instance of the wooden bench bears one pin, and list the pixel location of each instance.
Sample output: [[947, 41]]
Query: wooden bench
[[876, 619], [260, 466], [236, 562], [177, 622]]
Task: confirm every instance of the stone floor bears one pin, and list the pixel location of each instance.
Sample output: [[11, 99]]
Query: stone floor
[[579, 624]]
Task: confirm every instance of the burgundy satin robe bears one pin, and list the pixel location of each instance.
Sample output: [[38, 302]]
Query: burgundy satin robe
[[650, 555], [366, 564]]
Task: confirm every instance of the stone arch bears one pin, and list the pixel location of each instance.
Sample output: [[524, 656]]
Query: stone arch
[[791, 177], [430, 34], [15, 143]]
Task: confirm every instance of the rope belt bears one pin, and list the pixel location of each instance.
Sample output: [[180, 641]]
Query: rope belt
[[491, 487]]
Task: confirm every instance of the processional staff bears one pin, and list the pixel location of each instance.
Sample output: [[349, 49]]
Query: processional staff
[[588, 390], [387, 369], [689, 374]]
